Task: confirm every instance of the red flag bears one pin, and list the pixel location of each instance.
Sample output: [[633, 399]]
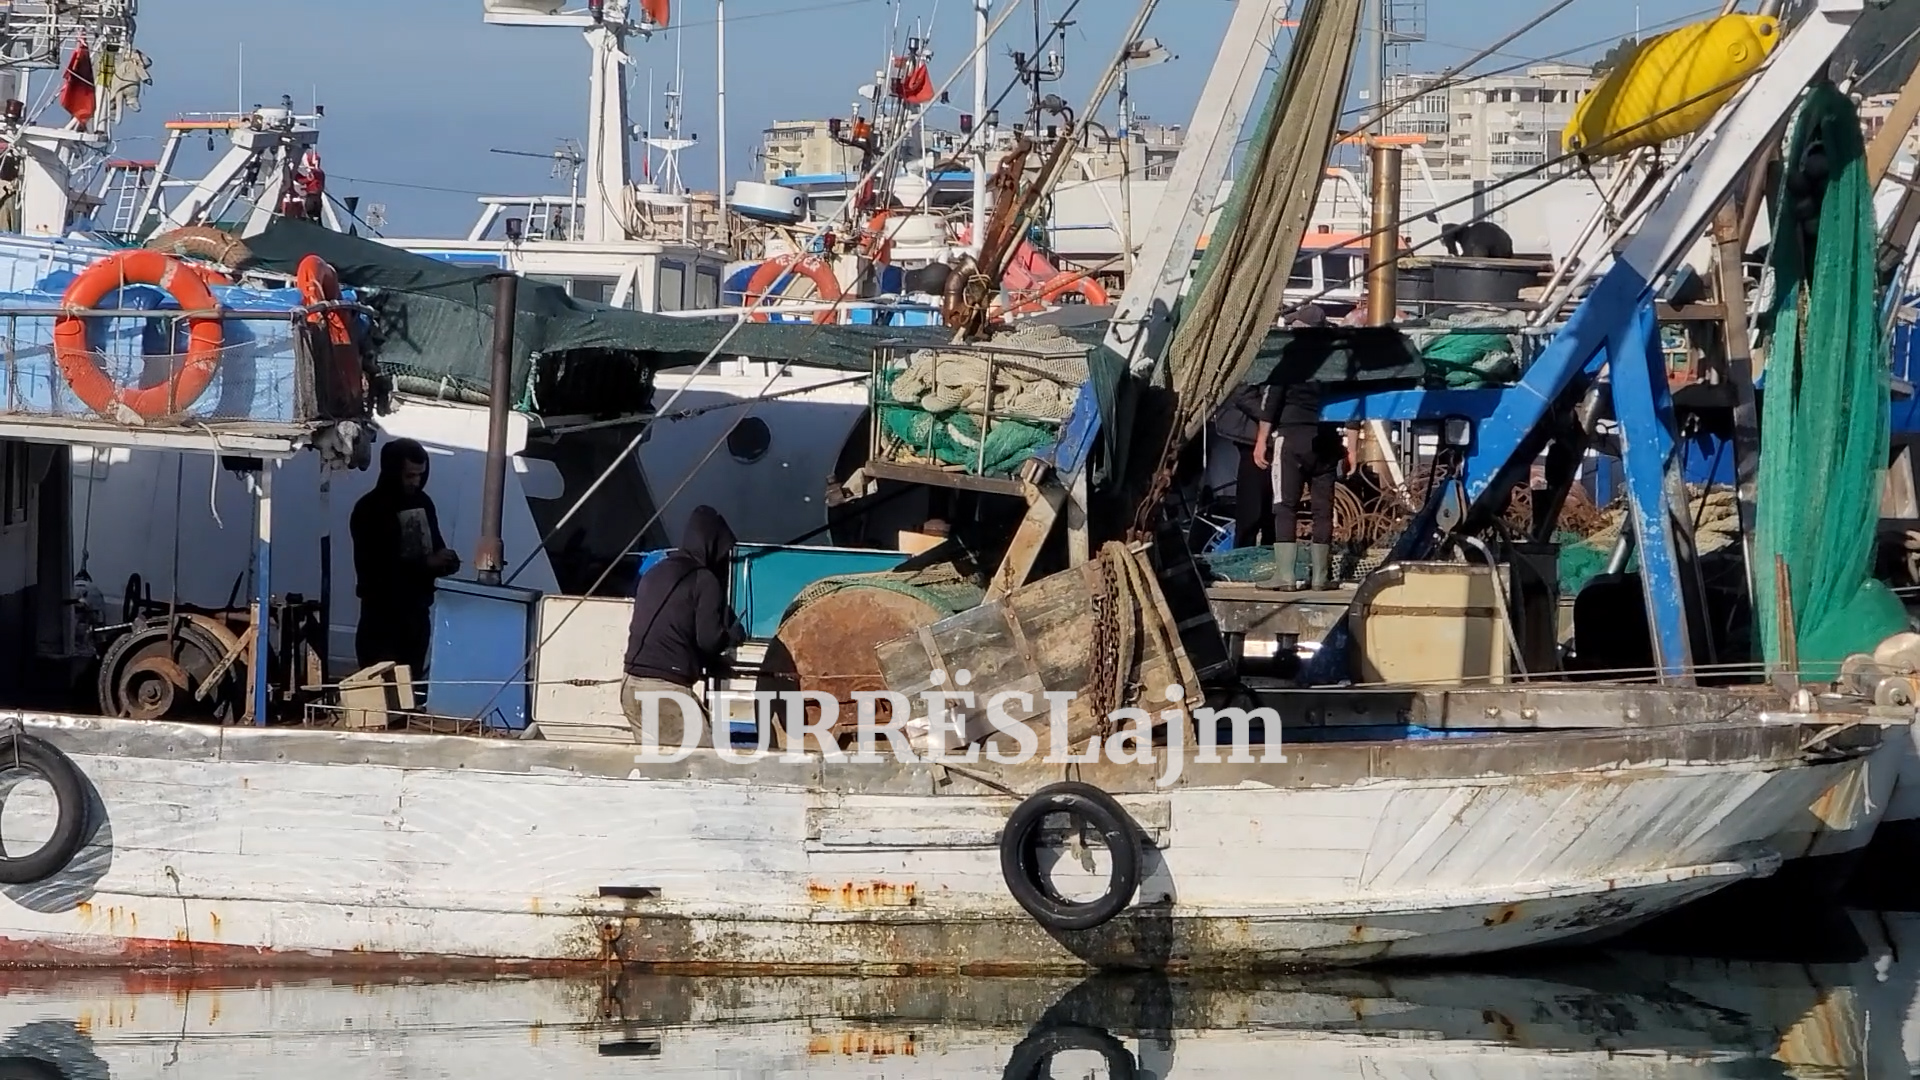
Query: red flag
[[656, 11], [77, 94], [915, 87]]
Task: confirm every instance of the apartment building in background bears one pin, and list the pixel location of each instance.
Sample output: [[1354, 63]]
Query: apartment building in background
[[1492, 127]]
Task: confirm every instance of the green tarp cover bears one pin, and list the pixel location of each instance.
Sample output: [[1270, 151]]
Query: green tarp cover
[[436, 318], [435, 322]]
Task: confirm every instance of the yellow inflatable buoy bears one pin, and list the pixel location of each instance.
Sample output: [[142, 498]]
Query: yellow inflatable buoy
[[1670, 85]]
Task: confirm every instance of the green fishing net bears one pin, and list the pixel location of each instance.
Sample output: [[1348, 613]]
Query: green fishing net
[[1823, 429], [953, 437]]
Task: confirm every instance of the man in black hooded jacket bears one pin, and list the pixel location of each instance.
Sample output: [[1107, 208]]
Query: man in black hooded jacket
[[682, 627], [398, 554]]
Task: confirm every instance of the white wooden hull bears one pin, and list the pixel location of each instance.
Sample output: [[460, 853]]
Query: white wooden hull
[[1419, 1027], [243, 846]]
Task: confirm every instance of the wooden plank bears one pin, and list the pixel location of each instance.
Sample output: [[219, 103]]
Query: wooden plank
[[1044, 503], [938, 477]]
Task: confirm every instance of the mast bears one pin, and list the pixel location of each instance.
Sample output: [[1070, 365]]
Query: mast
[[979, 164], [720, 34], [1378, 77]]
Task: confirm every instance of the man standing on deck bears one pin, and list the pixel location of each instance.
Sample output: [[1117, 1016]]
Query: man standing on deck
[[1302, 453], [397, 556], [682, 629]]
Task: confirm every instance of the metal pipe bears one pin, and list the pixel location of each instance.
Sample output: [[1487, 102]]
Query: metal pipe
[[720, 104], [55, 311], [1622, 550], [1383, 278], [257, 672], [981, 32], [489, 554], [1383, 261]]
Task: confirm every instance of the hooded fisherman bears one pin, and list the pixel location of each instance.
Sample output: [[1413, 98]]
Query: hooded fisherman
[[682, 630], [398, 554]]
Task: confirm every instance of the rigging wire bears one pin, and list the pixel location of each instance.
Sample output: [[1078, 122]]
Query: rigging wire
[[1884, 60]]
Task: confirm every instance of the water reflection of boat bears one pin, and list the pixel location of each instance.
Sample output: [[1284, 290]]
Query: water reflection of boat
[[1625, 1015]]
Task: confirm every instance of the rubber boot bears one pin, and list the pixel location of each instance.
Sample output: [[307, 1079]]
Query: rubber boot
[[1321, 558], [1283, 577]]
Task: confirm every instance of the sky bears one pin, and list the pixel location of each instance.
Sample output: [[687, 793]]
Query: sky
[[418, 92]]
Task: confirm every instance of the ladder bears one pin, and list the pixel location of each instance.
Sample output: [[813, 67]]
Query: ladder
[[126, 182]]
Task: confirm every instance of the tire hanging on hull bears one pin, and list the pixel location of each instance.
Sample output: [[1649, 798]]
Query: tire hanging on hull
[[23, 752]]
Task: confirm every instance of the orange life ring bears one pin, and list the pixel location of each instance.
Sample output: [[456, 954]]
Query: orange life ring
[[811, 267], [80, 366], [320, 284], [212, 275], [1066, 281]]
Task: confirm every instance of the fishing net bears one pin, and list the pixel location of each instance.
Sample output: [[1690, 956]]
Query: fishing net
[[1823, 431], [1471, 349], [1238, 288], [984, 410]]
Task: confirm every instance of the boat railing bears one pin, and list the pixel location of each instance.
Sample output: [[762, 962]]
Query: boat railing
[[144, 367], [800, 311]]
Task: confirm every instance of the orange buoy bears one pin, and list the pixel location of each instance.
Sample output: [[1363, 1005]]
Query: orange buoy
[[80, 365], [811, 267]]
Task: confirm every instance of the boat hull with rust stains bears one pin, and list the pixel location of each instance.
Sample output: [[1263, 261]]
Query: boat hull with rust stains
[[228, 847]]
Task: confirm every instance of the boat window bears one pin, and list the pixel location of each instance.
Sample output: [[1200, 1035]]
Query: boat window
[[673, 287], [1339, 269], [597, 289], [706, 289], [1302, 271]]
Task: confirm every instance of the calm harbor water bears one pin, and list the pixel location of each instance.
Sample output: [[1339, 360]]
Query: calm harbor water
[[1840, 999]]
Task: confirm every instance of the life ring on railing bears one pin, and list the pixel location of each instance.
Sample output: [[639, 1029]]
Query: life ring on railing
[[811, 267], [80, 366], [41, 758], [319, 283], [1060, 284], [1020, 863]]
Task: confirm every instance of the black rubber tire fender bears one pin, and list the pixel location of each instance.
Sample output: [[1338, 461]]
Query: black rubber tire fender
[[1030, 1060], [1019, 856], [44, 760]]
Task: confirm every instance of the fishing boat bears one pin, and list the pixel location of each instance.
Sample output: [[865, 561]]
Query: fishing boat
[[510, 822]]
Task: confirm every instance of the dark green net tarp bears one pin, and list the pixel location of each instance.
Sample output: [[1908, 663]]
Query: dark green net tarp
[[436, 320], [435, 323], [1882, 46]]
